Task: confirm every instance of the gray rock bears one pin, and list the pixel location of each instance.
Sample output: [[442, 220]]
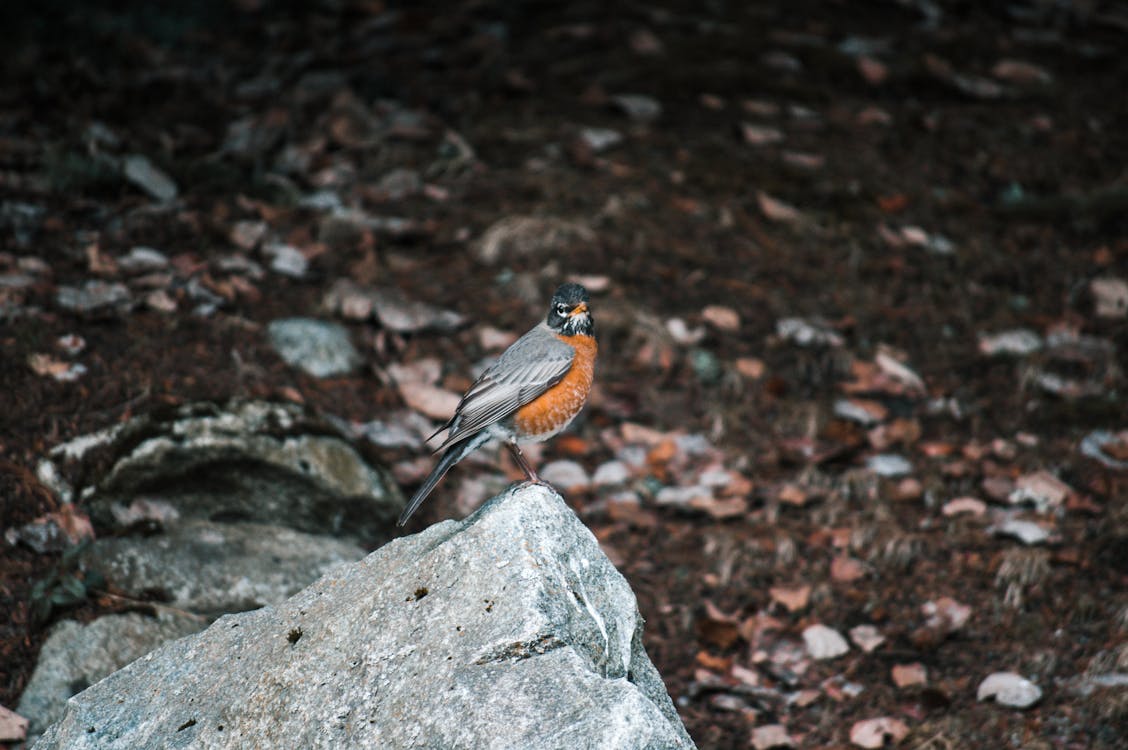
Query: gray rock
[[94, 297], [213, 568], [320, 348], [247, 461], [145, 175], [508, 629], [76, 656]]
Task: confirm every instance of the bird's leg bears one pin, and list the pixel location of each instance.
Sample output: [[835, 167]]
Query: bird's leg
[[524, 464]]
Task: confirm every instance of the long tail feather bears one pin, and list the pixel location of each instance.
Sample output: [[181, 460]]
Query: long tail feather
[[453, 455]]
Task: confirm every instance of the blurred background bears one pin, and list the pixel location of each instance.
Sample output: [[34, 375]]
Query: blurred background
[[859, 273]]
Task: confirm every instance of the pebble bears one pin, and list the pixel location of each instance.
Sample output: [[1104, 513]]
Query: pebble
[[320, 348]]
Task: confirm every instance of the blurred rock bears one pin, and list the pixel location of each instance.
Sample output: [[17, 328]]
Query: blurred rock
[[321, 348], [94, 297], [145, 175], [246, 461]]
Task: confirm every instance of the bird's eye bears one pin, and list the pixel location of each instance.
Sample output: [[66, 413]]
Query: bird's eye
[[561, 309]]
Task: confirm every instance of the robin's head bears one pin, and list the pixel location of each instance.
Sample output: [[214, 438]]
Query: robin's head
[[568, 312]]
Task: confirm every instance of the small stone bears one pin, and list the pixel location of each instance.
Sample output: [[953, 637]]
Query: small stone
[[1017, 342], [600, 139], [611, 474], [568, 476], [246, 235], [807, 333], [320, 348], [140, 259], [145, 175], [286, 260], [638, 107], [1027, 532], [93, 297], [888, 465], [1009, 689], [824, 642]]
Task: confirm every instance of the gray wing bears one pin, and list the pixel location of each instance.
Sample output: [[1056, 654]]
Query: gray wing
[[533, 364]]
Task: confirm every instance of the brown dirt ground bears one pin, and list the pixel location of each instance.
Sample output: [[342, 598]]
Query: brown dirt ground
[[679, 227]]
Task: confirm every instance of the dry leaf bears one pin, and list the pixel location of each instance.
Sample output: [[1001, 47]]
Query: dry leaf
[[13, 727], [716, 627], [770, 736], [776, 210], [906, 675], [721, 318], [866, 637], [793, 598], [872, 733], [429, 400], [971, 505], [846, 569]]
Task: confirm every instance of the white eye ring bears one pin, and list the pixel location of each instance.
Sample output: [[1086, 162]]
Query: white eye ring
[[561, 309]]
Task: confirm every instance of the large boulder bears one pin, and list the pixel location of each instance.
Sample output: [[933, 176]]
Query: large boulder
[[246, 461], [509, 629]]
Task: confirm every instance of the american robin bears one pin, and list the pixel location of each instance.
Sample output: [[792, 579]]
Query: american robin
[[537, 386]]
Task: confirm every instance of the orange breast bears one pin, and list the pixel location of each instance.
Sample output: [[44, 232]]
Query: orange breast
[[551, 412]]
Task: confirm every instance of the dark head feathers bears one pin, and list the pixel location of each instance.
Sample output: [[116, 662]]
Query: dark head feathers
[[570, 294]]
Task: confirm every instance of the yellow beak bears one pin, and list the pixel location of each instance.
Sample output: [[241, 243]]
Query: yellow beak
[[579, 309]]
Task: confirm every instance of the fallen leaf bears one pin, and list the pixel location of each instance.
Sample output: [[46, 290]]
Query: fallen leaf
[[907, 675], [64, 372], [1021, 72], [1009, 689], [824, 642], [776, 210], [1110, 296], [750, 367], [873, 733], [874, 71], [721, 318], [970, 505], [760, 135], [1017, 342], [1027, 532], [770, 736], [13, 727], [717, 627], [1041, 488], [845, 569], [793, 598], [866, 637], [946, 614], [429, 400], [680, 332]]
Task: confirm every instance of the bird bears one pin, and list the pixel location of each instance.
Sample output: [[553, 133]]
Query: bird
[[532, 392]]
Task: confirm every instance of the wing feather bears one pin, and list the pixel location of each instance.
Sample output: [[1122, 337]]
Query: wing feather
[[533, 364]]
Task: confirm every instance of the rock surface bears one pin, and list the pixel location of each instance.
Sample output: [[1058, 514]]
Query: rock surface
[[212, 568], [76, 656], [248, 461], [508, 629]]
